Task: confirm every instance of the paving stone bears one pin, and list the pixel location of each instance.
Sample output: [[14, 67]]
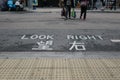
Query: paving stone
[[60, 69]]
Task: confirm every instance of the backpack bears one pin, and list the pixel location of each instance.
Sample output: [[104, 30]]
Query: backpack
[[68, 2]]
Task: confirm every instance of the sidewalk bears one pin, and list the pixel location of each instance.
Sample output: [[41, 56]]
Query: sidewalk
[[59, 69], [50, 10]]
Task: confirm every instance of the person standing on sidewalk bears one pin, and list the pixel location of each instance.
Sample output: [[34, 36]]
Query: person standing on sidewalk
[[94, 4], [61, 4], [83, 7], [113, 5], [68, 5], [45, 3]]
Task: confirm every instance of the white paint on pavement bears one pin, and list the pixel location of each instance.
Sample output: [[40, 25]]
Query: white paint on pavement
[[115, 40]]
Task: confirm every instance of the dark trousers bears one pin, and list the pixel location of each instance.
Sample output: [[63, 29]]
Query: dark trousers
[[114, 5], [83, 12], [68, 11], [94, 4]]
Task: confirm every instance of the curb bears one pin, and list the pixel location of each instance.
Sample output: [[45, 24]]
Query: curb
[[52, 10]]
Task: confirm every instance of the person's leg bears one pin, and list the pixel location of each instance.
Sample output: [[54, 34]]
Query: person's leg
[[90, 4], [66, 12], [103, 3], [85, 11], [111, 6], [114, 4], [94, 4], [69, 12], [82, 10]]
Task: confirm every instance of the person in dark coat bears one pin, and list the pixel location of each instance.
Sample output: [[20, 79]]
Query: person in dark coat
[[84, 4], [68, 5]]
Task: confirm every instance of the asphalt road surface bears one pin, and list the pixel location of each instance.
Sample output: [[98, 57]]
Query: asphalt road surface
[[59, 40], [23, 20], [23, 31]]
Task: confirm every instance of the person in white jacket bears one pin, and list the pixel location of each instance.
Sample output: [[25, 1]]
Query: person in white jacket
[[18, 5]]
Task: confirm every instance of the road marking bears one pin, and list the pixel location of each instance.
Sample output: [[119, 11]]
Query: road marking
[[115, 40]]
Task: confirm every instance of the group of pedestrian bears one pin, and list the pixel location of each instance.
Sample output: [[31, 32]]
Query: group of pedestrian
[[11, 5], [68, 4]]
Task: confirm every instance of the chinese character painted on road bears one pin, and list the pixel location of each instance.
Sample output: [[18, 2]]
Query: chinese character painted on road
[[77, 46], [44, 45]]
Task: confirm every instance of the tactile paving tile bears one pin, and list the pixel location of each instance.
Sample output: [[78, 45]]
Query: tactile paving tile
[[76, 63], [60, 69]]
